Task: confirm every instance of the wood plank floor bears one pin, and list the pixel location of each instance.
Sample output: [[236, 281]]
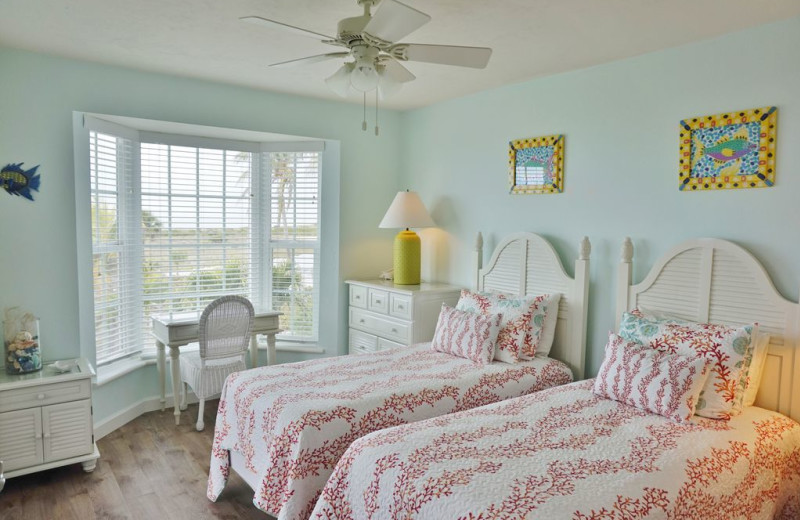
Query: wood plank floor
[[148, 469]]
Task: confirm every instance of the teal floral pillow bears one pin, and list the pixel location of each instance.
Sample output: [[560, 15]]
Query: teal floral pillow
[[729, 349]]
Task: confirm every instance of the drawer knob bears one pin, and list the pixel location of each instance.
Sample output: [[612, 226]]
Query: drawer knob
[[378, 302], [361, 320], [400, 307], [394, 330], [358, 297], [40, 397]]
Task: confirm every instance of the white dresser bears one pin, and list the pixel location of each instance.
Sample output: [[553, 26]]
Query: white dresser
[[384, 315], [46, 420]]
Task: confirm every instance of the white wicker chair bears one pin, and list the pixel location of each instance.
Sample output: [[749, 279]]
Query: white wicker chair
[[225, 329]]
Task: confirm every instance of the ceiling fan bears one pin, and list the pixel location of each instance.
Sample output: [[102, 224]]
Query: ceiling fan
[[373, 53]]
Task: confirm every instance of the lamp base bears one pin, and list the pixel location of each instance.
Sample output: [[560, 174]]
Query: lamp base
[[407, 251]]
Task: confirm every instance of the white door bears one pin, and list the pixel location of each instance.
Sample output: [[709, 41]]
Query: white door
[[67, 430], [21, 438]]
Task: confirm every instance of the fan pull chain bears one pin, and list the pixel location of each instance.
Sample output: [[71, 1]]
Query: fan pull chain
[[376, 112], [364, 122]]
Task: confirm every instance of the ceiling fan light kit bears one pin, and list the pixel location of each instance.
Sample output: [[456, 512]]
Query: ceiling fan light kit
[[370, 40]]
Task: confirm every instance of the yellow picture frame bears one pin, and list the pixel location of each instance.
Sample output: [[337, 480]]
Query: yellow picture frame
[[536, 165], [732, 150]]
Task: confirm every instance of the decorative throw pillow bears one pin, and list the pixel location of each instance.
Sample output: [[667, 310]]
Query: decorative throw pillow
[[729, 349], [658, 382], [514, 328], [543, 326], [756, 369], [466, 334]]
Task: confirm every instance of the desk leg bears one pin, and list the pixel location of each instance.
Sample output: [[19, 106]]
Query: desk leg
[[271, 349], [254, 351], [174, 353], [161, 361]]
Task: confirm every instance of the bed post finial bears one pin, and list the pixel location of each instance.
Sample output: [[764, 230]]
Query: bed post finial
[[585, 249], [624, 279], [477, 261], [626, 255]]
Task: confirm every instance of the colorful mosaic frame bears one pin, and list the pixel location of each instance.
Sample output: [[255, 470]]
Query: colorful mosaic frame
[[728, 151], [536, 165]]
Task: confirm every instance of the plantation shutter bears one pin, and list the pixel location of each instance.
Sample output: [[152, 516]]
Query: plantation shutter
[[198, 240], [293, 190], [115, 252]]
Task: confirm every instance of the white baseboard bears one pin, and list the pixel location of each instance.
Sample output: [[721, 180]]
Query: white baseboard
[[126, 415]]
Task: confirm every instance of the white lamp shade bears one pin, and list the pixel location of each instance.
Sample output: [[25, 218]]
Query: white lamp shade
[[339, 82], [407, 211]]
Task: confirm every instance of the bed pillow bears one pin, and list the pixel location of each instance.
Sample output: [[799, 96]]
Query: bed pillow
[[545, 318], [514, 328], [466, 334], [729, 350], [756, 369], [659, 382], [746, 364]]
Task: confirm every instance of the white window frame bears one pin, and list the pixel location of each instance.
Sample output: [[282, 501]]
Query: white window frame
[[260, 216], [266, 226]]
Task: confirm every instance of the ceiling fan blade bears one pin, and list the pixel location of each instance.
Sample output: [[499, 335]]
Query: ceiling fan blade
[[475, 57], [396, 72], [311, 59], [394, 21], [265, 22]]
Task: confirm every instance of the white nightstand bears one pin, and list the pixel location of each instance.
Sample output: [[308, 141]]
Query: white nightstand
[[384, 315], [46, 420]]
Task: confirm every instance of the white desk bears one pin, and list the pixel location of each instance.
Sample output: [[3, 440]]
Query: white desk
[[177, 330]]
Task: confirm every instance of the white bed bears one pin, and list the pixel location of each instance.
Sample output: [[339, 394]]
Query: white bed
[[283, 428], [566, 453]]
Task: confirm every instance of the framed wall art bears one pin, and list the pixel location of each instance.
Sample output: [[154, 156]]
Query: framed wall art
[[536, 165], [728, 151]]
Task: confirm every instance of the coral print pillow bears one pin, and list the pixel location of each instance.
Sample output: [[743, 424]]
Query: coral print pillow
[[658, 382], [543, 326], [516, 324], [466, 334], [728, 349]]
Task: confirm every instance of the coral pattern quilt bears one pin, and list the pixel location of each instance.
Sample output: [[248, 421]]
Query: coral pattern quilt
[[292, 423], [566, 453]]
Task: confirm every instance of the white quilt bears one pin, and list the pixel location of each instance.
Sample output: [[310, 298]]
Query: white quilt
[[292, 423], [565, 453]]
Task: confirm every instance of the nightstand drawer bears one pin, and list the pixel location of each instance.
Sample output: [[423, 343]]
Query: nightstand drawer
[[378, 301], [361, 342], [41, 395], [358, 296], [400, 306], [388, 328]]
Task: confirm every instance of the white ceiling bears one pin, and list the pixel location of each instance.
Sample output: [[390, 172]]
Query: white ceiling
[[531, 38]]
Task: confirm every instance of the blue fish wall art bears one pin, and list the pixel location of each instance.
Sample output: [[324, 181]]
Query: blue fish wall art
[[17, 181]]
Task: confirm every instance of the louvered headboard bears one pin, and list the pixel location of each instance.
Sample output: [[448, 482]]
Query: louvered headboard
[[527, 264], [715, 281]]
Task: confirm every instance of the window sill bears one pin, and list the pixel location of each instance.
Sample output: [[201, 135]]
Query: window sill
[[123, 367], [291, 346], [117, 369]]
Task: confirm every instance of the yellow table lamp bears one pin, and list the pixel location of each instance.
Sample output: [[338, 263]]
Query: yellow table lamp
[[407, 211]]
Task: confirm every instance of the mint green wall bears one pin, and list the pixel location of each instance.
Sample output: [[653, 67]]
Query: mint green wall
[[38, 94], [620, 122]]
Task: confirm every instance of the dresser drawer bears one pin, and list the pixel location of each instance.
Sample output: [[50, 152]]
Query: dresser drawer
[[378, 301], [361, 342], [358, 296], [41, 395], [385, 327], [385, 344], [400, 306]]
